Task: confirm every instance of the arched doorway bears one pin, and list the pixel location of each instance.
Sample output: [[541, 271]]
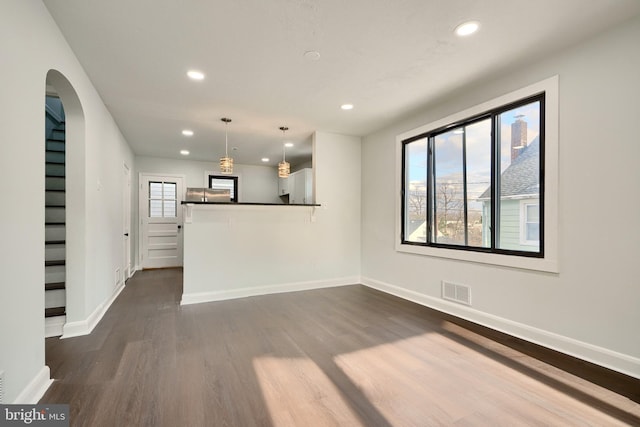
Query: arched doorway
[[65, 210]]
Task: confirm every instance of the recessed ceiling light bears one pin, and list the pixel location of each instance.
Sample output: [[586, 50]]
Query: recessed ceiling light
[[195, 75], [265, 159], [288, 144], [467, 28], [312, 55], [184, 152], [347, 106], [187, 132]]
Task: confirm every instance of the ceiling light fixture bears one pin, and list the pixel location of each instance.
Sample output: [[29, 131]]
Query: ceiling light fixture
[[195, 75], [467, 28], [226, 162], [347, 106], [288, 144], [184, 152], [187, 132], [284, 168], [265, 159]]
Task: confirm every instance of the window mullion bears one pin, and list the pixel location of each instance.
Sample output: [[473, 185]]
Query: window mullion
[[464, 186], [495, 180], [431, 210]]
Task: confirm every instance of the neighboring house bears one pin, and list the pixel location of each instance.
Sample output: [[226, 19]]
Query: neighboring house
[[519, 201]]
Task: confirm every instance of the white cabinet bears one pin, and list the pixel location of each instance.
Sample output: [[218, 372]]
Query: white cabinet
[[283, 186], [301, 187]]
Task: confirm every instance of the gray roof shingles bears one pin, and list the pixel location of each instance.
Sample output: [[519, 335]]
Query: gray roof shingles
[[522, 177]]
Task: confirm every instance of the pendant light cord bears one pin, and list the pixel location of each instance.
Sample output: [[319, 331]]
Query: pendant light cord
[[284, 150]]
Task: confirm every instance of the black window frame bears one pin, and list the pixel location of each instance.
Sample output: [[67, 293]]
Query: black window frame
[[234, 199], [494, 115]]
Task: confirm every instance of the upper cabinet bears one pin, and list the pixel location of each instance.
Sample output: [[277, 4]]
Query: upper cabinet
[[283, 186], [300, 187]]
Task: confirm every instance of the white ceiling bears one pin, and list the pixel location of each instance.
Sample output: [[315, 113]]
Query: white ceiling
[[387, 57]]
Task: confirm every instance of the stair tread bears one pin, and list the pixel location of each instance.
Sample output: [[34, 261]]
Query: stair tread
[[54, 311], [54, 223], [54, 242], [54, 262], [53, 176], [54, 206], [54, 286]]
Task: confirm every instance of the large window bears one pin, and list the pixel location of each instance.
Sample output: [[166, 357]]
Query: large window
[[477, 183]]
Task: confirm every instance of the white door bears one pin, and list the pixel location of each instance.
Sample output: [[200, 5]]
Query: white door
[[161, 221], [126, 222]]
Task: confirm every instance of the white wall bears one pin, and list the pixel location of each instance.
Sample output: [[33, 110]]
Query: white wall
[[233, 251], [31, 45], [592, 307]]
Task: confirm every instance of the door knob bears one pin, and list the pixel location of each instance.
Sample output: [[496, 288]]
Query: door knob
[[126, 234]]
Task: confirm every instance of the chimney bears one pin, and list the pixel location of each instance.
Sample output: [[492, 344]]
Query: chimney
[[518, 137]]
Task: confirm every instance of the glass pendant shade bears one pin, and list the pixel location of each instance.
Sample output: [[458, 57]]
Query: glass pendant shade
[[226, 165], [284, 168], [226, 162]]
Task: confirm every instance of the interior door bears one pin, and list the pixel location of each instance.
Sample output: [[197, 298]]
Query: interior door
[[161, 221]]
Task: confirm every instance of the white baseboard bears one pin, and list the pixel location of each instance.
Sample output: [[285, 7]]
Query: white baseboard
[[84, 327], [200, 297], [53, 326], [619, 362], [34, 391]]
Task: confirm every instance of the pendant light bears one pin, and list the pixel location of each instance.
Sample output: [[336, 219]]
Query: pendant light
[[284, 168], [226, 162]]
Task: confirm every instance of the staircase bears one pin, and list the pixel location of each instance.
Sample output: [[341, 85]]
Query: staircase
[[55, 218]]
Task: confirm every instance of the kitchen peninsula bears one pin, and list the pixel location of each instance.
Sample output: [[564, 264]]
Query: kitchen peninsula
[[235, 250]]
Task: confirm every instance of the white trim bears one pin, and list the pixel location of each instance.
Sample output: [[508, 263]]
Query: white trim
[[619, 362], [84, 327], [523, 221], [200, 297], [36, 388], [550, 262], [53, 326]]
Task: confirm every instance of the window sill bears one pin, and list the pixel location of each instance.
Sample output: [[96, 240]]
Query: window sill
[[546, 265]]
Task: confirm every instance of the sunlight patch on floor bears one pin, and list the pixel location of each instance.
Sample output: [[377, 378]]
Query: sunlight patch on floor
[[297, 393]]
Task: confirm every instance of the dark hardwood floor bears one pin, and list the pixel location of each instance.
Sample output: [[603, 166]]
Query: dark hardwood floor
[[346, 356]]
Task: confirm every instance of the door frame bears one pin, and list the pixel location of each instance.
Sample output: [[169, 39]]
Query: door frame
[[126, 222], [142, 203]]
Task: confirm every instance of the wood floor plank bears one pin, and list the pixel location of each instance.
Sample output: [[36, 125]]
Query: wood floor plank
[[346, 356]]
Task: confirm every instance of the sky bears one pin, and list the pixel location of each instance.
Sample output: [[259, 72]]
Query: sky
[[448, 151]]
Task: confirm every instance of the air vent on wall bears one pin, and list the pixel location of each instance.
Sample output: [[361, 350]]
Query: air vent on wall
[[457, 293]]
